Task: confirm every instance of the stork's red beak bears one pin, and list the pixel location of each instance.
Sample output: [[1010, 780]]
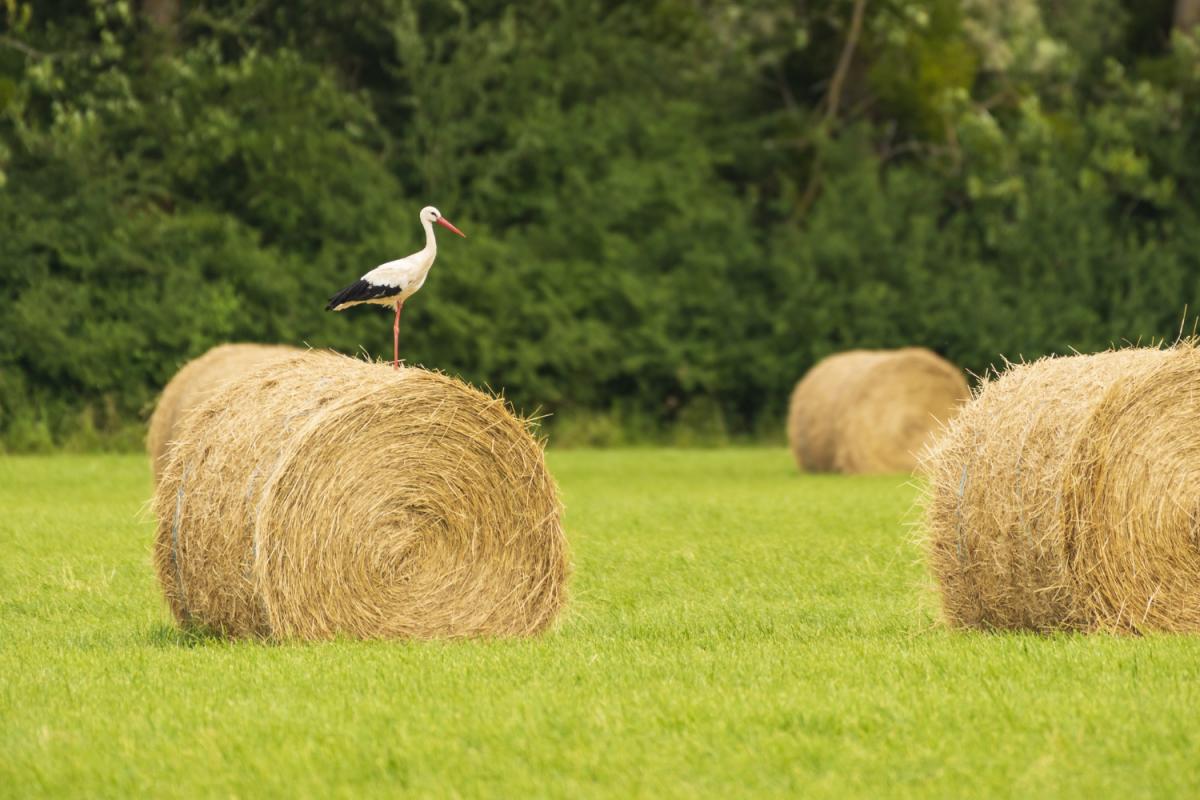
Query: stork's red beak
[[445, 223]]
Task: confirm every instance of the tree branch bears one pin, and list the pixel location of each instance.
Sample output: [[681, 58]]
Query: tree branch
[[17, 44], [1187, 14], [833, 101], [834, 98]]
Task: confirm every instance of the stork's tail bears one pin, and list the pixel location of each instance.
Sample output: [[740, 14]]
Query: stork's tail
[[361, 291]]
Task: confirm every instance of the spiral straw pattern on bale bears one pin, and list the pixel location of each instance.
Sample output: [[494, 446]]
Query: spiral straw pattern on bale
[[327, 496], [196, 382], [868, 411], [1066, 496]]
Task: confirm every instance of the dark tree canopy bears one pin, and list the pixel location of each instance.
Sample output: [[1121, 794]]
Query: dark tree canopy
[[674, 207]]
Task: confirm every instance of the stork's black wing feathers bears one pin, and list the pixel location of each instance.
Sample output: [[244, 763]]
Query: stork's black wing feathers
[[359, 291]]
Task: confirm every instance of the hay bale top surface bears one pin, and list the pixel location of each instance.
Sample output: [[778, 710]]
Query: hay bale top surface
[[865, 411], [1066, 496], [198, 380], [327, 496]]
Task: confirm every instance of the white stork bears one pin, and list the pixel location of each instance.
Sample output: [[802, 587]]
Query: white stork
[[392, 283]]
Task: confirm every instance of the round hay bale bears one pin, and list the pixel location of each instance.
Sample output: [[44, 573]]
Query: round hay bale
[[868, 411], [326, 496], [196, 382], [1066, 496]]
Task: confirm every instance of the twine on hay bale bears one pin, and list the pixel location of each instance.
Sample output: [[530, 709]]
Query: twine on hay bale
[[324, 496], [1066, 496], [195, 383], [866, 411]]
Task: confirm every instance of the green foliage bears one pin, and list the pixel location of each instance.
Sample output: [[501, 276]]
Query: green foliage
[[668, 221]]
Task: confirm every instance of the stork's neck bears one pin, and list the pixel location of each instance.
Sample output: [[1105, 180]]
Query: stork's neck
[[430, 239]]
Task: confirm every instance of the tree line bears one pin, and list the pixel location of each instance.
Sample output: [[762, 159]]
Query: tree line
[[674, 207]]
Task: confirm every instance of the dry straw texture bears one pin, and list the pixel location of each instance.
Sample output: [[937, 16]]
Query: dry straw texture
[[1066, 496], [196, 382], [324, 496], [867, 411]]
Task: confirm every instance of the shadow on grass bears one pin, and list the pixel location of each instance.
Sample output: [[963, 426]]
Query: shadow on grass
[[164, 635]]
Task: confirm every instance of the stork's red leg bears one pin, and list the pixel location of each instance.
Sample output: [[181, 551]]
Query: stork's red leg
[[396, 338]]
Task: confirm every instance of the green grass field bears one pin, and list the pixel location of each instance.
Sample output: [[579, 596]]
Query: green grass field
[[736, 630]]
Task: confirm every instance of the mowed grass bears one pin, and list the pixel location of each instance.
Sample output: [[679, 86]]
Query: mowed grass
[[737, 630]]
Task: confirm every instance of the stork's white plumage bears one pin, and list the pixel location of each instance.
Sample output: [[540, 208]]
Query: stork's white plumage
[[392, 283]]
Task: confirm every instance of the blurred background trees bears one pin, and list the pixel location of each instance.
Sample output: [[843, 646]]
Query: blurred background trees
[[674, 206]]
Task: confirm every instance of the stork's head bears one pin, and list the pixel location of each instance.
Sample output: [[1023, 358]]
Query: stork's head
[[431, 214]]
